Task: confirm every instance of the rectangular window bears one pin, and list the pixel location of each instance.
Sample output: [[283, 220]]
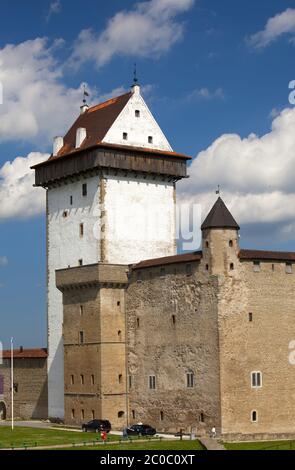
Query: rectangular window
[[130, 381], [137, 113], [81, 337], [71, 200], [92, 379], [73, 414], [256, 266], [289, 269], [92, 414], [133, 414], [81, 230], [81, 310], [125, 136], [190, 380], [72, 380], [84, 189], [80, 262], [150, 139], [82, 379], [82, 414], [250, 316], [152, 382], [256, 379]]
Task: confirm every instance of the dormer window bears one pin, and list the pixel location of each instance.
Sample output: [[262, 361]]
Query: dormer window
[[125, 136], [137, 113], [150, 139]]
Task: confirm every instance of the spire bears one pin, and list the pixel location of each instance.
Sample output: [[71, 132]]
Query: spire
[[84, 106], [220, 217], [135, 85]]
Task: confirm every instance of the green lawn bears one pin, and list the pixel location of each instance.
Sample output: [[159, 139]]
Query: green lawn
[[161, 445], [261, 445], [32, 437]]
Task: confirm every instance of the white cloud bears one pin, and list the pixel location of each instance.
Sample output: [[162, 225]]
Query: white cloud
[[206, 94], [282, 23], [18, 197], [256, 175], [54, 8], [3, 261], [37, 105], [147, 30]]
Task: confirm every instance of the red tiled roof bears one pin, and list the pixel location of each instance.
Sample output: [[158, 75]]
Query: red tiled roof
[[182, 258], [266, 255], [26, 354], [97, 120]]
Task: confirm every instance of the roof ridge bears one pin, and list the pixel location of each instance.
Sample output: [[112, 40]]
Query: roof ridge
[[107, 102]]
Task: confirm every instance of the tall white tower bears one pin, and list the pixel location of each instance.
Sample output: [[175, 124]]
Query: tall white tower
[[110, 186]]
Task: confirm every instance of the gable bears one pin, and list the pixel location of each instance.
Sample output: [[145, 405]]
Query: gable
[[138, 128]]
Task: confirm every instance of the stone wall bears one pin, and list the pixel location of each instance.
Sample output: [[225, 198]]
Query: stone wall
[[30, 384], [172, 331], [95, 365], [258, 345]]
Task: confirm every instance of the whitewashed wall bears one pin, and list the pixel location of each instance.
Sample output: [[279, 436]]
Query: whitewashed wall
[[140, 219], [137, 128], [65, 248]]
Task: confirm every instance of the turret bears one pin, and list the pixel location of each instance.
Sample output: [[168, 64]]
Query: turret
[[220, 240]]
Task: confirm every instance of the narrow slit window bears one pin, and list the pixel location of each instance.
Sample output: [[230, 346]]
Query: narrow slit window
[[81, 337], [150, 139], [125, 136], [84, 189], [81, 230], [254, 417]]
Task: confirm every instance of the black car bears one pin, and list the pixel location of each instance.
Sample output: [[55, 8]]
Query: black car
[[141, 430], [97, 425]]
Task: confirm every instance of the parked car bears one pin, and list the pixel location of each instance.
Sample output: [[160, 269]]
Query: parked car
[[141, 430], [97, 425]]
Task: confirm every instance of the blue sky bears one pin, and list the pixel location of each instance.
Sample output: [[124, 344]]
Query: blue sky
[[215, 68]]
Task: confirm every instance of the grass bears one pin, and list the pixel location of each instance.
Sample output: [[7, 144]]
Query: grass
[[261, 445], [33, 437], [161, 445]]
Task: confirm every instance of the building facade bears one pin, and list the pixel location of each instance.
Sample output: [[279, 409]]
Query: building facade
[[114, 161], [137, 332], [200, 340], [29, 384]]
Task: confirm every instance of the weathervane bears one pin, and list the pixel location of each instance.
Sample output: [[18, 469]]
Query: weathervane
[[85, 93], [135, 79]]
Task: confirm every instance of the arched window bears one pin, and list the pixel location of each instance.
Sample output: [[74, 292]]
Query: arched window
[[121, 414], [190, 379], [254, 416]]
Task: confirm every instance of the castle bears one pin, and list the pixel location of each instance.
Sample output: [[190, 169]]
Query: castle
[[137, 332]]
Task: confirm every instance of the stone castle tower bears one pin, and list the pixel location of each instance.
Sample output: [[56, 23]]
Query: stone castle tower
[[110, 186]]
